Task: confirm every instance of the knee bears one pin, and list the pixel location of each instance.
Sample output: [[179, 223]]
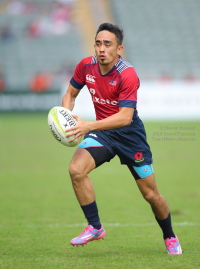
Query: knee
[[151, 195], [76, 171]]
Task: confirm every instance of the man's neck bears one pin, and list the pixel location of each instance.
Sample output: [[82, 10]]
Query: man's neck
[[106, 68]]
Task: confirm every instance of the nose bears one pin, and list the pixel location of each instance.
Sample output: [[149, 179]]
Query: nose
[[102, 48]]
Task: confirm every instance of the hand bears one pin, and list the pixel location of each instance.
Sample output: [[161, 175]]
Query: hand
[[79, 130]]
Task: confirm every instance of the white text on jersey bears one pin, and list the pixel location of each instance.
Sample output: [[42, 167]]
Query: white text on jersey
[[103, 101]]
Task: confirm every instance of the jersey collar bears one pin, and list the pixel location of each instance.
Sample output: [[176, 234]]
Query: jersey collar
[[115, 66]]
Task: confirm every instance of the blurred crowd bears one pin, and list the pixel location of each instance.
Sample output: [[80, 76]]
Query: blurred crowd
[[46, 18], [40, 19], [44, 81]]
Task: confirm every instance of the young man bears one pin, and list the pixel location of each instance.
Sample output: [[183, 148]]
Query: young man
[[113, 84]]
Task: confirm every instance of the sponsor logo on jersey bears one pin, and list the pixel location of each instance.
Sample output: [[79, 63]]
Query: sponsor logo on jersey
[[138, 157], [101, 100], [104, 101], [90, 78]]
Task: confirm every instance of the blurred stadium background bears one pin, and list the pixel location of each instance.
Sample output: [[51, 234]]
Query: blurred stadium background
[[40, 44], [42, 41]]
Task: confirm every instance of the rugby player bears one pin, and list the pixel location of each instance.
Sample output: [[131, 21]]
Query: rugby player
[[118, 130]]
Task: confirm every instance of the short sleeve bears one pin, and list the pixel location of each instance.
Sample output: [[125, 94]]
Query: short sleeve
[[128, 90], [78, 80]]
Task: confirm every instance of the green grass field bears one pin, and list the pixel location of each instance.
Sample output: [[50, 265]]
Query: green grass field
[[39, 213]]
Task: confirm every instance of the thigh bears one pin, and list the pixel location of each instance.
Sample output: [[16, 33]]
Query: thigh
[[131, 145], [82, 162], [144, 176], [98, 152], [143, 171]]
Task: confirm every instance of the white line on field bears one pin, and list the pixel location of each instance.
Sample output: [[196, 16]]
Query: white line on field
[[57, 225]]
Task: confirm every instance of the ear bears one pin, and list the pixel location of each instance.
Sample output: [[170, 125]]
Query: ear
[[120, 49]]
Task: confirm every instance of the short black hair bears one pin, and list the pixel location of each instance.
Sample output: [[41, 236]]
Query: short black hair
[[115, 29]]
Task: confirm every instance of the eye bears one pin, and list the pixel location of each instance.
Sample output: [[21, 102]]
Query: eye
[[107, 45]]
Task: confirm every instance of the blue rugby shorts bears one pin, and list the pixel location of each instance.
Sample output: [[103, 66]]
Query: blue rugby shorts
[[129, 143]]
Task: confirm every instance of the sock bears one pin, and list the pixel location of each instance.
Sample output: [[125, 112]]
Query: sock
[[91, 213], [166, 227]]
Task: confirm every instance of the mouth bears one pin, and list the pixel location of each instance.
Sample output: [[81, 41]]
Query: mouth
[[102, 57]]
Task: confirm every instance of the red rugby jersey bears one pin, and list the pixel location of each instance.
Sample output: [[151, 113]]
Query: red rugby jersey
[[118, 88]]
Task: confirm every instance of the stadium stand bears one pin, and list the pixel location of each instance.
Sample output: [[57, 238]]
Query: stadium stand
[[162, 38], [25, 50]]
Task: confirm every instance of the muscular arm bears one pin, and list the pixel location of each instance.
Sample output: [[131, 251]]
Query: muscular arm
[[68, 99], [120, 119]]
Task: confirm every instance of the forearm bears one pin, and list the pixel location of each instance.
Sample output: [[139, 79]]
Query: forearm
[[120, 119], [68, 101], [117, 120]]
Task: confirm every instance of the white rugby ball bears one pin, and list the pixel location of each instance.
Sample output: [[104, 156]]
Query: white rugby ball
[[59, 119]]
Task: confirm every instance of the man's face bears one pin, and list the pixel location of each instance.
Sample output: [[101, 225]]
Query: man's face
[[106, 48]]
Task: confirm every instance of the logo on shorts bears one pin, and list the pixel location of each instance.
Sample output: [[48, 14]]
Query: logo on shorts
[[145, 170], [93, 135], [138, 157]]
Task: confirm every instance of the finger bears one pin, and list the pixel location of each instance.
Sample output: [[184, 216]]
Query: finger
[[77, 140], [74, 137], [70, 129], [71, 133], [76, 117]]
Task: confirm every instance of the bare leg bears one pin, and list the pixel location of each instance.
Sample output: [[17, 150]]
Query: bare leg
[[82, 163], [150, 192]]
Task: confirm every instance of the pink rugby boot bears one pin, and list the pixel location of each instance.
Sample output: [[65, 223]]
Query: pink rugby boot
[[89, 234]]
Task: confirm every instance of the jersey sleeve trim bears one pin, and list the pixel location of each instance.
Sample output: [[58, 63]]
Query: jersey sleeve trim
[[75, 84], [127, 103]]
